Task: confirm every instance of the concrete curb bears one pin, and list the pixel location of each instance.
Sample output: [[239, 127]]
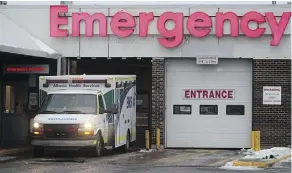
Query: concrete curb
[[260, 164], [15, 151]]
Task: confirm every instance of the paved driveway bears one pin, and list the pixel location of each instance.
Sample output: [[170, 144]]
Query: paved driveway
[[169, 161]]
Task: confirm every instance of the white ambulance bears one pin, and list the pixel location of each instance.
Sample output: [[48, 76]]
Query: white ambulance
[[85, 111]]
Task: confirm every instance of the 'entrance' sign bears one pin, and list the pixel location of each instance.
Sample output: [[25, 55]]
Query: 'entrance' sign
[[209, 94], [198, 24]]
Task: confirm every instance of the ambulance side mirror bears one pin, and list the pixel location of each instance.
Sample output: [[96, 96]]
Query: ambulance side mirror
[[113, 109]]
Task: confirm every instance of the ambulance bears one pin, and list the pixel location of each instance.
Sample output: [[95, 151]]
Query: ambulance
[[92, 112]]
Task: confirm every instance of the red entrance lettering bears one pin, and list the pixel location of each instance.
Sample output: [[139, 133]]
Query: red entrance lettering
[[187, 93], [205, 94], [211, 94], [230, 94], [218, 94], [193, 94], [224, 94]]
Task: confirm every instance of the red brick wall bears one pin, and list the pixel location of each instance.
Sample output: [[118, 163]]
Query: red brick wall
[[158, 88], [274, 121]]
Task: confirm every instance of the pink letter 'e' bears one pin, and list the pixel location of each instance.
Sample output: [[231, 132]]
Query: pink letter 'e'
[[171, 38], [122, 24], [55, 21], [255, 17], [199, 24], [277, 29], [220, 19]]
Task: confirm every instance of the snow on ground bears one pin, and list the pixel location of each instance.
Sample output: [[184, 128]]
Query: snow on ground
[[272, 153], [266, 154], [229, 166], [147, 151]]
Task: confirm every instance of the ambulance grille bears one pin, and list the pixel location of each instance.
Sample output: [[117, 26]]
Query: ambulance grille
[[60, 130]]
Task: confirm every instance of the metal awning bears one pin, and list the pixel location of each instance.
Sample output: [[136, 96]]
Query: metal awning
[[14, 39]]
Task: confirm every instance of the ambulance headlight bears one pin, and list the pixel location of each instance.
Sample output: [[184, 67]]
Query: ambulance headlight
[[36, 125], [88, 126]]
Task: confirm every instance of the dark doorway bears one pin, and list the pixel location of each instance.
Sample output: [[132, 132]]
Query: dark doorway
[[16, 87], [141, 68]]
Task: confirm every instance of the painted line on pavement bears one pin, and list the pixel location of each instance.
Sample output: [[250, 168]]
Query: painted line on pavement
[[260, 164]]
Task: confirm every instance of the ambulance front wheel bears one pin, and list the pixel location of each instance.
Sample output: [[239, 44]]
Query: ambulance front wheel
[[99, 148]]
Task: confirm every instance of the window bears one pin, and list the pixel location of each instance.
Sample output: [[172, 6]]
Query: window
[[209, 109], [101, 104], [234, 109], [69, 103], [9, 99], [15, 98], [182, 109]]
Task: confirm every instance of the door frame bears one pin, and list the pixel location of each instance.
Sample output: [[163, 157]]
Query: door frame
[[2, 114]]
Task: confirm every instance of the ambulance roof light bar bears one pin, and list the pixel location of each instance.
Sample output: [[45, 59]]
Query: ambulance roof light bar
[[48, 81]]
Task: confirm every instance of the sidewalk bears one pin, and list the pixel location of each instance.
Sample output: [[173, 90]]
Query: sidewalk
[[7, 154], [259, 160]]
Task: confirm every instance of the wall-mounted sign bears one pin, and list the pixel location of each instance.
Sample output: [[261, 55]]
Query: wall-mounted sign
[[27, 69], [207, 60], [209, 94], [272, 95], [198, 24]]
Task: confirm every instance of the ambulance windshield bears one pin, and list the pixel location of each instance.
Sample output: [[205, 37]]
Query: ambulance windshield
[[69, 104]]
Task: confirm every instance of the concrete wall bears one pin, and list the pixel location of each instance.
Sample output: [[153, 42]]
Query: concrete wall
[[36, 21]]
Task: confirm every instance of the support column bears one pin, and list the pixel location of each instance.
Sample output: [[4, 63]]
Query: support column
[[64, 65], [158, 99]]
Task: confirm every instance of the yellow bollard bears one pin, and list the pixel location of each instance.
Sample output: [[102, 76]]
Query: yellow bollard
[[157, 138], [147, 139], [252, 140], [257, 141]]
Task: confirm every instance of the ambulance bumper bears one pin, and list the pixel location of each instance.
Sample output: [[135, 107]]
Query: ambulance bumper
[[64, 143]]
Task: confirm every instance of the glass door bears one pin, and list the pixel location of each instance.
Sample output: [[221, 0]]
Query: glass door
[[15, 120]]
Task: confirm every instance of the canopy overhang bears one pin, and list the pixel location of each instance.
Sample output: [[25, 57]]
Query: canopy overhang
[[14, 39]]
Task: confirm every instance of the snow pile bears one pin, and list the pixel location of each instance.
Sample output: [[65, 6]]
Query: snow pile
[[147, 151], [272, 153], [229, 166]]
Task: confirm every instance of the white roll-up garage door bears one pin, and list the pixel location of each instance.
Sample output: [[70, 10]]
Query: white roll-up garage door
[[208, 106]]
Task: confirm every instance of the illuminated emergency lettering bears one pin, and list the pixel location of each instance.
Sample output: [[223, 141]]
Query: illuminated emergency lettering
[[209, 94]]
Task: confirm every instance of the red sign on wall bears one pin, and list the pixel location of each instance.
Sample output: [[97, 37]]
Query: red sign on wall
[[211, 94], [198, 24], [27, 69]]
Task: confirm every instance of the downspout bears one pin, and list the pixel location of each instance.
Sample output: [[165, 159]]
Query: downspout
[[59, 65]]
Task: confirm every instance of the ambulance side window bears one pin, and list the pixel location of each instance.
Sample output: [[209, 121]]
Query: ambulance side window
[[101, 103]]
